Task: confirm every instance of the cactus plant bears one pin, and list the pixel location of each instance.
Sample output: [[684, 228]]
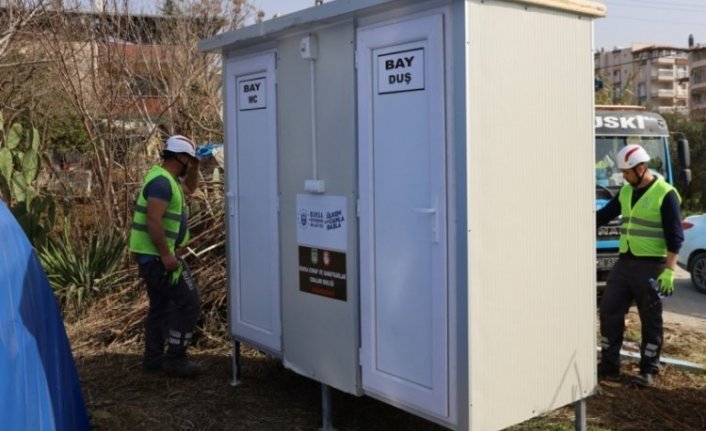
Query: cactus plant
[[19, 168], [19, 162]]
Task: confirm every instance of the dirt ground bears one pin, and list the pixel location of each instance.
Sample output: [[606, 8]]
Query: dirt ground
[[120, 397]]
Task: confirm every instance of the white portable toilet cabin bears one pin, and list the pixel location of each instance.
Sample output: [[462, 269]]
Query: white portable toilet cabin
[[410, 201]]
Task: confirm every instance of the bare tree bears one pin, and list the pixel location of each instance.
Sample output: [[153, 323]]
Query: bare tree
[[14, 16], [17, 62], [612, 94], [128, 77]]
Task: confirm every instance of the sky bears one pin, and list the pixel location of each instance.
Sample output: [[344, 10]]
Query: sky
[[655, 22], [282, 6]]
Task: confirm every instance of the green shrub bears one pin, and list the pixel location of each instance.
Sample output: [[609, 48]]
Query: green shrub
[[80, 269]]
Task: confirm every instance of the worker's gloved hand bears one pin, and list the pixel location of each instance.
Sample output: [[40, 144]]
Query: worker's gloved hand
[[175, 275], [666, 282]]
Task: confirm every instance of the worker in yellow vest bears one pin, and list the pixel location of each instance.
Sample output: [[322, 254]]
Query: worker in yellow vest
[[158, 229], [650, 238]]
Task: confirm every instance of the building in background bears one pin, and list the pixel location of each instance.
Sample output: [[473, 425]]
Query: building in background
[[662, 78], [656, 75], [615, 68], [697, 82]]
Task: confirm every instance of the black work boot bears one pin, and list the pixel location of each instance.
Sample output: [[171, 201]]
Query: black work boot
[[644, 380], [608, 374], [181, 366]]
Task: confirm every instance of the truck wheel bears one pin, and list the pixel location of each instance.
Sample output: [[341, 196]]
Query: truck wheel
[[698, 272]]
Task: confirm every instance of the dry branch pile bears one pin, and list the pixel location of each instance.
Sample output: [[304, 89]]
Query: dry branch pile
[[117, 318]]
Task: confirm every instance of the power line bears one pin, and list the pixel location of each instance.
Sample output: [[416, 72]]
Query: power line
[[657, 14], [660, 7], [671, 9], [659, 4], [607, 66], [660, 21]]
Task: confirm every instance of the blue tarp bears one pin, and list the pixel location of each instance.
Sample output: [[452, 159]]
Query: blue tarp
[[39, 386]]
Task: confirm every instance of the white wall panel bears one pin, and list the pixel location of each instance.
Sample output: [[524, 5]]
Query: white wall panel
[[320, 334], [530, 211]]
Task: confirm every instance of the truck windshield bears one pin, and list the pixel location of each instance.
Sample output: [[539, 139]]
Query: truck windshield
[[607, 172]]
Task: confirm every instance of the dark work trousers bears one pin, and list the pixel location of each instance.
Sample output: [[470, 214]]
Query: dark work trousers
[[173, 312], [628, 281]]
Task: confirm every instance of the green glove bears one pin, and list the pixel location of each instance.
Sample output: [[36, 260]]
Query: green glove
[[176, 274], [666, 282]]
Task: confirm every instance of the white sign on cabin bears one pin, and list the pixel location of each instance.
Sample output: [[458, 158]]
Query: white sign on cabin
[[321, 221], [401, 71], [252, 94]]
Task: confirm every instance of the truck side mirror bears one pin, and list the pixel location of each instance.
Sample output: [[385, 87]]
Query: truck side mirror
[[684, 159], [683, 151]]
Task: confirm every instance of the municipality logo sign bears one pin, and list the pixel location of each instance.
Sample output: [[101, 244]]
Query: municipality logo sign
[[302, 218]]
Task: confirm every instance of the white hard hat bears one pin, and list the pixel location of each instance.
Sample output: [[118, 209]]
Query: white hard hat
[[632, 155], [181, 144]]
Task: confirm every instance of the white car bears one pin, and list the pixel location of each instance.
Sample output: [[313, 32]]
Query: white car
[[692, 256]]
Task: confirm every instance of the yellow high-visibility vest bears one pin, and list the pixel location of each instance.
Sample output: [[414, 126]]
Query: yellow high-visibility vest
[[641, 229], [140, 241]]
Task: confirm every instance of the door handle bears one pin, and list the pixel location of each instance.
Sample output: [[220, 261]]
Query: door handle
[[231, 203], [435, 218]]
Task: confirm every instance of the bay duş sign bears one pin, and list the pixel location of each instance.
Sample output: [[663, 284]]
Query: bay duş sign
[[401, 71]]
